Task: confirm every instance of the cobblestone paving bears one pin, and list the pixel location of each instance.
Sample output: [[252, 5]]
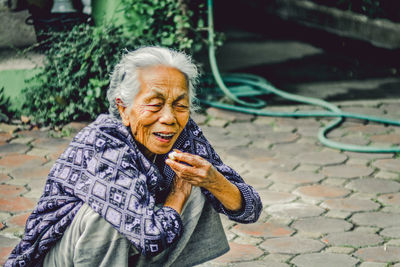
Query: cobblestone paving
[[322, 207]]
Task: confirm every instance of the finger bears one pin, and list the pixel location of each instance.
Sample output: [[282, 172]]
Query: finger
[[189, 174], [179, 167], [191, 159], [185, 170], [200, 166]]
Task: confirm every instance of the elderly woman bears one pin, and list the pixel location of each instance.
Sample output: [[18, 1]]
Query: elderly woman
[[141, 186]]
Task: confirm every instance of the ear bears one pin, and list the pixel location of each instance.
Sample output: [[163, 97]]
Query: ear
[[122, 113]]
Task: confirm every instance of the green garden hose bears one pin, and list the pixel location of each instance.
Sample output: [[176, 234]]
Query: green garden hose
[[252, 86]]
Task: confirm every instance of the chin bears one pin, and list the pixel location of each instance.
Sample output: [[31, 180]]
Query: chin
[[161, 147], [161, 150]]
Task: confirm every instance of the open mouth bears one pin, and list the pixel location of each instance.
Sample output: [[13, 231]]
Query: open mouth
[[164, 136]]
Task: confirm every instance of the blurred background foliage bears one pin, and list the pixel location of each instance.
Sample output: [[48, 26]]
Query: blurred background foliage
[[72, 85], [177, 24], [74, 80], [75, 77], [5, 107]]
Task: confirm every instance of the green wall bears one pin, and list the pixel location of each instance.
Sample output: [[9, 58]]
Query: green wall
[[104, 11], [13, 82]]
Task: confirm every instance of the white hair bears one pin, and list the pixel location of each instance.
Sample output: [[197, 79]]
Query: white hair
[[124, 82]]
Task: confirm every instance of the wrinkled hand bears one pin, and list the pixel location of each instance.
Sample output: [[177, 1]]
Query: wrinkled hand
[[179, 194], [197, 171], [181, 187], [202, 173]]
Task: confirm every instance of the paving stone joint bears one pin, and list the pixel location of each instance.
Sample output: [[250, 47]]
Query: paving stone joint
[[320, 205]]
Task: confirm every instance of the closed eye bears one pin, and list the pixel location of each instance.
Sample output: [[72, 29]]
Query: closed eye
[[181, 107], [154, 107]]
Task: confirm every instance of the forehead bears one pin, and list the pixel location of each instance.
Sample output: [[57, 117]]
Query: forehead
[[162, 78]]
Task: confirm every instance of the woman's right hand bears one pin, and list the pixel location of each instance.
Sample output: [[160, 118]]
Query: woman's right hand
[[179, 194]]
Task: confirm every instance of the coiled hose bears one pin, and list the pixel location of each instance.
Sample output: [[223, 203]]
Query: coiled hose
[[251, 86]]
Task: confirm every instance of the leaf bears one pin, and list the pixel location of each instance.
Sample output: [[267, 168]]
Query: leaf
[[61, 101], [77, 66]]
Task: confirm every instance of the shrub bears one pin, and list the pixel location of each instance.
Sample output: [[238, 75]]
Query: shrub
[[178, 24], [74, 81], [5, 104]]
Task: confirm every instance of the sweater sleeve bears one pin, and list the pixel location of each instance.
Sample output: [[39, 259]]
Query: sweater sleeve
[[251, 206], [119, 194]]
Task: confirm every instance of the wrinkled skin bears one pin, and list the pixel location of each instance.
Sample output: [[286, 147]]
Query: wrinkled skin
[[157, 116], [199, 172], [160, 107]]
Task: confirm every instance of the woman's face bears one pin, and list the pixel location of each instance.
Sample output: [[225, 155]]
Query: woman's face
[[160, 110]]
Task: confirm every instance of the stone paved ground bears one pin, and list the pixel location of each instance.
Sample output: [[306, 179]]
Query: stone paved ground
[[322, 207]]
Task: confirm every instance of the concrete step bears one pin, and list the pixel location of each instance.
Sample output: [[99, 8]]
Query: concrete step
[[14, 32], [379, 32], [13, 59]]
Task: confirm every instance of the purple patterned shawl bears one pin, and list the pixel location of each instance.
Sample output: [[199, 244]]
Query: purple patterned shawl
[[104, 168]]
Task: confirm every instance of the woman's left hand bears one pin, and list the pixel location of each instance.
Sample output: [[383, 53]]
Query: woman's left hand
[[197, 171]]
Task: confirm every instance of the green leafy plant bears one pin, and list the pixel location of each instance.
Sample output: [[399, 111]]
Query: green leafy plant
[[74, 80], [177, 24], [75, 77], [5, 104]]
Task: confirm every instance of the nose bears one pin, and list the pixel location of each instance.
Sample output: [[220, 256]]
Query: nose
[[168, 116]]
